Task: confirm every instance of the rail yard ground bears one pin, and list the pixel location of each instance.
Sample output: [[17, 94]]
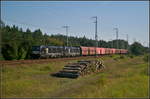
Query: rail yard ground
[[123, 77]]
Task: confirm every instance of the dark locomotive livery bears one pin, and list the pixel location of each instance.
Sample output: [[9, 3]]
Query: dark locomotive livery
[[65, 51], [54, 51]]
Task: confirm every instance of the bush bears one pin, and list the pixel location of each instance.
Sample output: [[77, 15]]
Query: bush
[[136, 49], [121, 57], [116, 58], [9, 52], [111, 56], [21, 53], [131, 56], [1, 57], [146, 57]]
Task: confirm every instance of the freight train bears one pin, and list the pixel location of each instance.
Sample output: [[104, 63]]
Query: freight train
[[65, 51]]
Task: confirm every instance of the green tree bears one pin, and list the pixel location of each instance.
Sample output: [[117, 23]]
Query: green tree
[[21, 53], [136, 48], [27, 42], [38, 37], [9, 51], [11, 38]]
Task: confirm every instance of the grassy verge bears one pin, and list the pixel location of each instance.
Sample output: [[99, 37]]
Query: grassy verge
[[124, 77]]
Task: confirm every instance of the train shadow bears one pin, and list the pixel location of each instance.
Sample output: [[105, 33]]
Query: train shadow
[[57, 75]]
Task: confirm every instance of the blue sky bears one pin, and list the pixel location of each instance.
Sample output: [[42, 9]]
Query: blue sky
[[131, 17]]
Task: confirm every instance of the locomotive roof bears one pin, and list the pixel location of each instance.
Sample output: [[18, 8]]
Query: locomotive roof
[[62, 46]]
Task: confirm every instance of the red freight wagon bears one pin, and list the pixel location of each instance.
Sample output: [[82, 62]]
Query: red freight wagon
[[106, 50], [91, 50], [113, 50], [121, 51], [102, 50], [117, 51], [84, 50], [124, 51], [98, 51], [109, 51]]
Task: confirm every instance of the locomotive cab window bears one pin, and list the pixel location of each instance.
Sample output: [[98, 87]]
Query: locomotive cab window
[[36, 48]]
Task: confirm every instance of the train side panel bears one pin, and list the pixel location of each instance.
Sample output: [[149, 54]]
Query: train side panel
[[102, 51], [113, 50], [98, 51], [84, 51], [91, 50]]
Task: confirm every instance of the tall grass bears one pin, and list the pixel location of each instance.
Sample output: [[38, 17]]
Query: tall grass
[[127, 77]]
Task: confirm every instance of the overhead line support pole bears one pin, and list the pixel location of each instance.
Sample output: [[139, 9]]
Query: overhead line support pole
[[66, 27], [96, 37], [117, 37], [127, 41]]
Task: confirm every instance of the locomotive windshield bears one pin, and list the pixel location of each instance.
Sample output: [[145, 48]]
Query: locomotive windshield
[[35, 48]]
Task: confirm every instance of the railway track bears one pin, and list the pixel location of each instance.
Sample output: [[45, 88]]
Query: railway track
[[34, 61]]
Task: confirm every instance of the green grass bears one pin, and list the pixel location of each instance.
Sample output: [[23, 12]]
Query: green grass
[[1, 57], [126, 77]]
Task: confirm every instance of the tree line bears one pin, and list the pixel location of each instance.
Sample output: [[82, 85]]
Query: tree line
[[16, 44]]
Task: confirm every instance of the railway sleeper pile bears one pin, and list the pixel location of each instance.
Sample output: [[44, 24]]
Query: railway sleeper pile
[[80, 68]]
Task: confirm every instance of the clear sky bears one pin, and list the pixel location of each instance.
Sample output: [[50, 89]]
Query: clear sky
[[130, 17]]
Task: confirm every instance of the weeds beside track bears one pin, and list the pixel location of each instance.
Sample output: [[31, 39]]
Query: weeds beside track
[[33, 61]]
